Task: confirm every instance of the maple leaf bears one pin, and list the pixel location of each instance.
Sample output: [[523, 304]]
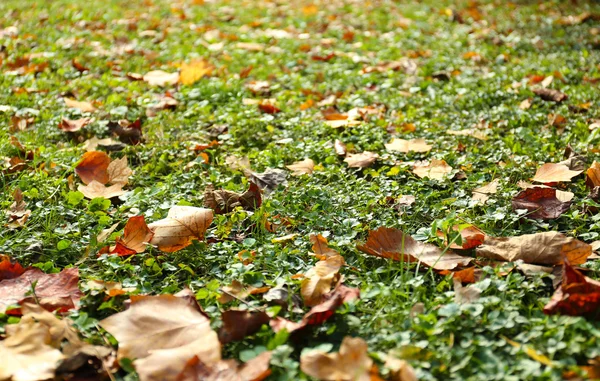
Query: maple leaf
[[162, 333], [52, 291], [136, 235], [578, 295], [405, 146], [547, 248], [194, 71], [319, 279], [118, 171], [182, 225], [304, 167], [551, 172], [69, 125], [83, 106], [352, 362], [437, 169], [395, 244], [160, 78], [361, 160], [543, 202], [93, 166]]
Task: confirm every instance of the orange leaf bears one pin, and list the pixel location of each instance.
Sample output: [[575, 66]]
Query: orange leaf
[[136, 236], [93, 167]]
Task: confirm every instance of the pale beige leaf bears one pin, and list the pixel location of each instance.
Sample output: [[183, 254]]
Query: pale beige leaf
[[162, 322], [481, 194], [351, 363], [361, 160], [400, 370], [304, 167], [119, 172], [342, 123], [405, 146], [550, 173], [182, 225], [161, 78], [437, 169], [473, 132], [319, 280], [547, 248], [97, 189], [83, 106], [525, 105], [250, 46]]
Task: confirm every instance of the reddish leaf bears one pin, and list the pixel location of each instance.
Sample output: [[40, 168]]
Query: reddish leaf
[[52, 291], [395, 244], [471, 237], [135, 237], [93, 166], [319, 313], [468, 275], [543, 202], [237, 324], [577, 296], [9, 269], [268, 108]]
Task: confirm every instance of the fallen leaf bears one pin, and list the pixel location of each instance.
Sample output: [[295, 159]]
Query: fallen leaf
[[319, 313], [543, 202], [162, 333], [526, 104], [394, 244], [551, 172], [52, 291], [9, 269], [268, 108], [21, 123], [547, 248], [111, 289], [237, 324], [129, 132], [352, 362], [340, 148], [578, 295], [160, 78], [550, 94], [573, 160], [481, 194], [465, 295], [361, 160], [96, 189], [250, 46], [224, 201], [256, 369], [319, 280], [136, 236], [93, 166], [93, 143], [182, 225], [118, 171], [17, 212], [405, 64], [405, 146], [69, 125], [259, 87], [473, 132], [471, 237], [304, 167], [82, 106], [400, 370], [592, 178], [437, 170], [469, 275], [269, 180], [321, 247], [162, 102], [194, 71]]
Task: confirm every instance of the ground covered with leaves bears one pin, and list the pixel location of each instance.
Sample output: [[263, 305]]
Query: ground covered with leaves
[[333, 190]]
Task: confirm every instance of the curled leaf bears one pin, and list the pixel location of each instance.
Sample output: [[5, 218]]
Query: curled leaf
[[543, 202]]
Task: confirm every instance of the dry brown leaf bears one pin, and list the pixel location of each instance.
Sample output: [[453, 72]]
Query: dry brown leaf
[[340, 148], [118, 171], [551, 172], [543, 202], [239, 291], [320, 279], [21, 123], [161, 78], [69, 125], [304, 167], [550, 94], [547, 248], [471, 237], [182, 225], [321, 247], [93, 167], [17, 213], [473, 132], [136, 236], [256, 369], [437, 169], [395, 244], [96, 189], [224, 201], [237, 324], [259, 87], [400, 370], [94, 142], [194, 71], [465, 295], [352, 362], [592, 178], [361, 160], [481, 194], [162, 333], [405, 146], [250, 46], [83, 106]]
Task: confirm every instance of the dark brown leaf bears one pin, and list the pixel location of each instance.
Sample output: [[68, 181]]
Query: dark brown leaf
[[543, 202], [237, 324], [224, 201], [550, 95]]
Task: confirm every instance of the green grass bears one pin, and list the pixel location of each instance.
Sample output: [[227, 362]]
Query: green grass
[[446, 342]]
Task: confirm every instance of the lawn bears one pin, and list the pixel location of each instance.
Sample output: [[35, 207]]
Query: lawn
[[337, 118]]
